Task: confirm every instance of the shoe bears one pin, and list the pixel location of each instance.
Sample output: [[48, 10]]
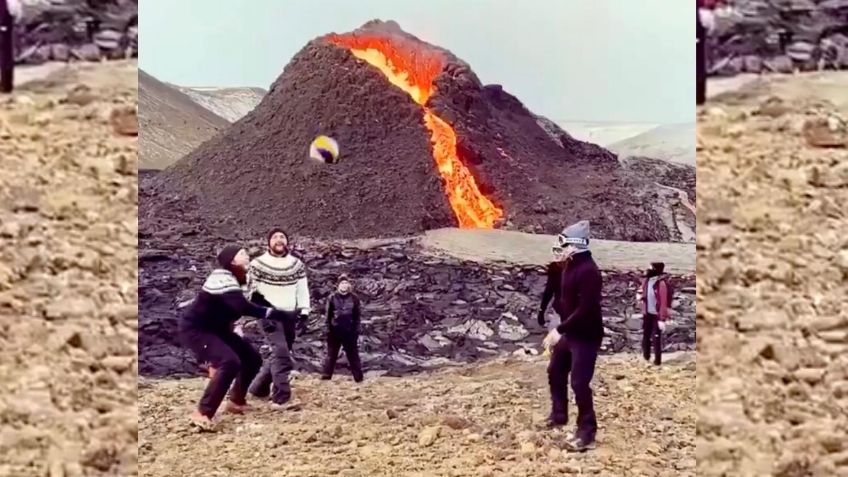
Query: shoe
[[577, 444], [234, 408], [326, 378], [202, 422], [551, 424]]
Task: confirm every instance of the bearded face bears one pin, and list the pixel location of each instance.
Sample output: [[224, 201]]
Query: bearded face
[[278, 244]]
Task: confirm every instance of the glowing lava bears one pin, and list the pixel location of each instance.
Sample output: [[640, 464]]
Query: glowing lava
[[413, 71]]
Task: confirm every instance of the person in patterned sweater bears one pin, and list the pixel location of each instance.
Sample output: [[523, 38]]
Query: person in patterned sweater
[[278, 279]]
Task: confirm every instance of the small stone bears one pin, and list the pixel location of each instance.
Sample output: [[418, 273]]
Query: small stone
[[124, 121], [456, 422], [428, 436]]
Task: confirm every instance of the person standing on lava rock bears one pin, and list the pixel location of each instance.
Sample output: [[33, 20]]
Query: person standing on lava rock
[[9, 11], [575, 343], [206, 328], [278, 279], [343, 319], [704, 23], [654, 299]]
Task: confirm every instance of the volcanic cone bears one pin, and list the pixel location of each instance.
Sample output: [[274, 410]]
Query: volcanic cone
[[424, 145]]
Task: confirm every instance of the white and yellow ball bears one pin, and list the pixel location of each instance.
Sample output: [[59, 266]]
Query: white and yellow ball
[[324, 149]]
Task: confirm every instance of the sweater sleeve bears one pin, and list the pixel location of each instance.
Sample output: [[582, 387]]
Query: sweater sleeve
[[303, 294], [236, 301], [330, 311], [251, 278], [550, 286], [587, 297]]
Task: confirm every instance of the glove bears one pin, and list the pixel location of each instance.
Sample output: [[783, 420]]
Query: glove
[[541, 317], [661, 325], [552, 339], [239, 330]]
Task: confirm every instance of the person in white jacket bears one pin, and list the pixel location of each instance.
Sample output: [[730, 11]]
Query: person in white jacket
[[278, 279]]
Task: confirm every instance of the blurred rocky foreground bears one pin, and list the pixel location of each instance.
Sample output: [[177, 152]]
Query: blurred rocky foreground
[[474, 420], [771, 279], [68, 299]]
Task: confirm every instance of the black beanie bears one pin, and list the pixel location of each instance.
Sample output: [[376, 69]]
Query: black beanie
[[272, 232], [227, 254]]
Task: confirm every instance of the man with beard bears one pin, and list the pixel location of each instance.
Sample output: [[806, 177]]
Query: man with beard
[[575, 343], [206, 329], [278, 279]]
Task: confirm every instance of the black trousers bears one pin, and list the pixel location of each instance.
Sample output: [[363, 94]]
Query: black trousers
[[277, 369], [7, 50], [651, 337], [577, 358], [337, 340], [236, 363]]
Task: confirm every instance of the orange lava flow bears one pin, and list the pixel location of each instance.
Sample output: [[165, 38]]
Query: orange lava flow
[[414, 73]]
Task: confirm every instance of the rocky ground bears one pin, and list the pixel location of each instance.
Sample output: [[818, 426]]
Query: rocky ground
[[772, 269], [68, 298], [478, 420]]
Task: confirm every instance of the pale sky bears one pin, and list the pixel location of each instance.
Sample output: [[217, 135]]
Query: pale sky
[[569, 60]]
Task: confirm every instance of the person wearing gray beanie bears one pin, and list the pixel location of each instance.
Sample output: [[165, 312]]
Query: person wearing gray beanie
[[576, 341]]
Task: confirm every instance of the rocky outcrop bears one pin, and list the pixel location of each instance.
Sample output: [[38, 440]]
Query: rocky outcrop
[[76, 30], [420, 311], [758, 36]]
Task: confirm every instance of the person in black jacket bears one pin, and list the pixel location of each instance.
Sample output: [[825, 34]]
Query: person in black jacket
[[206, 328], [343, 318], [575, 343]]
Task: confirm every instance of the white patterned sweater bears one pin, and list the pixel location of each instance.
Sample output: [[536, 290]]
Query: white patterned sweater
[[281, 280]]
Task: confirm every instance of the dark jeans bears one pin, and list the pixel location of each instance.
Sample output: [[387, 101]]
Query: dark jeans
[[7, 53], [701, 70], [336, 340], [278, 367], [577, 358], [651, 335], [236, 363]]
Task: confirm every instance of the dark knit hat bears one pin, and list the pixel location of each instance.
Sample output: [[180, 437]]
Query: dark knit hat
[[659, 267], [344, 277], [275, 230], [227, 254]]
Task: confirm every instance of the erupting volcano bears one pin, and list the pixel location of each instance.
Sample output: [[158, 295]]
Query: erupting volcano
[[415, 75], [425, 145]]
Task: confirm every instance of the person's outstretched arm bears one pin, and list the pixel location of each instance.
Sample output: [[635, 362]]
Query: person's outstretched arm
[[548, 294]]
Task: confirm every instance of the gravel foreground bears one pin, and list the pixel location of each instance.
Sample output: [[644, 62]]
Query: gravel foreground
[[474, 420], [771, 273], [68, 298]]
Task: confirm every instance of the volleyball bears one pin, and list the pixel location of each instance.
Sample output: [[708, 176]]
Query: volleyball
[[324, 149]]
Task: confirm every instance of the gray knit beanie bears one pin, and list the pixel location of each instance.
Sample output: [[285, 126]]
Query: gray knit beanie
[[575, 234]]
